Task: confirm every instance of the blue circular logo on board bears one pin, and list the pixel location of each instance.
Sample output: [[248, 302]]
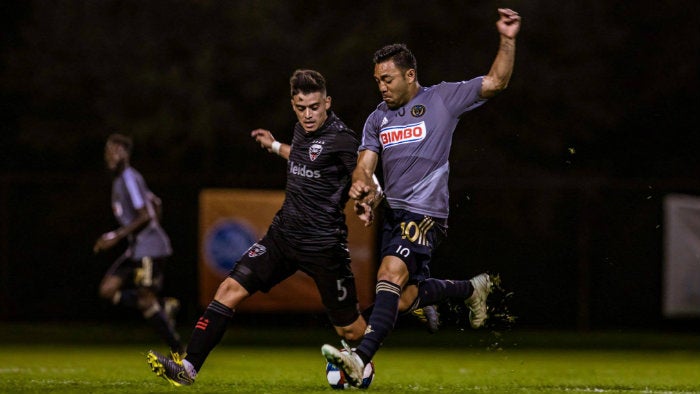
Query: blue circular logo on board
[[225, 243]]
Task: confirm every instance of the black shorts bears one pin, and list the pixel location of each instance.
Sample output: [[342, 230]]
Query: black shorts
[[145, 272], [412, 238], [271, 260]]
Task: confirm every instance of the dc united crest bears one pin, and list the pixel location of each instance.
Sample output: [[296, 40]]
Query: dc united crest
[[256, 250], [315, 151]]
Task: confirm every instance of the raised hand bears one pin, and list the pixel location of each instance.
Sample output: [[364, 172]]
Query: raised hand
[[509, 22]]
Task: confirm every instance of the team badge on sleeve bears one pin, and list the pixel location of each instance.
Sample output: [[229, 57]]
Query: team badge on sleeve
[[315, 151], [256, 250]]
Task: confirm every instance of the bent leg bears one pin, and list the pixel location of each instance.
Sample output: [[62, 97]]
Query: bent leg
[[408, 298], [392, 276], [150, 307], [432, 291], [110, 289], [212, 325]]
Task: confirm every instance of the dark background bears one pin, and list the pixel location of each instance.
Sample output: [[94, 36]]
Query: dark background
[[557, 184]]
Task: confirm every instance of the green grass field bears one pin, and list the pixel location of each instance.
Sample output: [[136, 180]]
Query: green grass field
[[570, 364], [295, 370]]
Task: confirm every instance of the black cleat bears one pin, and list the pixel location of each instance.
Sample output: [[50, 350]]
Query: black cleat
[[429, 316], [169, 368]]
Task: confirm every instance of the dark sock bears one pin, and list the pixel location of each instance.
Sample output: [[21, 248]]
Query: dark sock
[[208, 332], [160, 322], [432, 291], [367, 312], [382, 320]]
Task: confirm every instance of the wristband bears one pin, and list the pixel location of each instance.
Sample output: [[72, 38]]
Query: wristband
[[275, 147]]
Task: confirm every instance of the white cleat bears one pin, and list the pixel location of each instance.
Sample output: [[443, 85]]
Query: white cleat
[[477, 301], [347, 361]]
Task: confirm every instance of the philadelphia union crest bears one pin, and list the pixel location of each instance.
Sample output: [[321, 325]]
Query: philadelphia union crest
[[315, 151], [418, 110]]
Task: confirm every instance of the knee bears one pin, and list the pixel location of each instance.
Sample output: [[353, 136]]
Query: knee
[[393, 270], [107, 292], [228, 285], [109, 287], [230, 293]]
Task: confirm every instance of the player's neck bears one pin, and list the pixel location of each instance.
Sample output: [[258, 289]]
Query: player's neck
[[119, 169], [414, 89]]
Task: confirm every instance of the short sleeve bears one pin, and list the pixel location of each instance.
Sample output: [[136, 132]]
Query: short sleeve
[[460, 97], [370, 133], [132, 186]]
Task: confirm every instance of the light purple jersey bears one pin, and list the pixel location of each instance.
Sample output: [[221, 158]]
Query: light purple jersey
[[414, 143], [129, 194]]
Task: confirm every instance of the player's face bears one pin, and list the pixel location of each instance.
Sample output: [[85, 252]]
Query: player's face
[[115, 156], [394, 84], [311, 109]]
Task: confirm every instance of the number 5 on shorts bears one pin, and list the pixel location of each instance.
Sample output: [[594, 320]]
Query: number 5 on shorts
[[342, 290]]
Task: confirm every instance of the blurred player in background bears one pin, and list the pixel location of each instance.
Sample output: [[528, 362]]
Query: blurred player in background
[[308, 233], [412, 131], [136, 278]]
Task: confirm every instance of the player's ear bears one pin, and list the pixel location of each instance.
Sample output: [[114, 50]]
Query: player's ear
[[411, 75], [328, 103]]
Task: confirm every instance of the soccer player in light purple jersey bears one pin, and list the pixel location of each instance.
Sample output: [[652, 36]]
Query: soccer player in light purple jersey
[[136, 277], [412, 132]]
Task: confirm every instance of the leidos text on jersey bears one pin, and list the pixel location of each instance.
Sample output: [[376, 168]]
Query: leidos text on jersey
[[296, 169]]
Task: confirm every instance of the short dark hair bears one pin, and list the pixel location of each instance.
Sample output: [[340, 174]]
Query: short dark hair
[[120, 139], [307, 81], [399, 53]]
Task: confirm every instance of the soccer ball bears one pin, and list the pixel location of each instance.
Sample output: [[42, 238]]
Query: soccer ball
[[336, 378]]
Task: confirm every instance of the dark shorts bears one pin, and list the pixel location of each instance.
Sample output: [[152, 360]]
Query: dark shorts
[[146, 272], [271, 260], [412, 238]]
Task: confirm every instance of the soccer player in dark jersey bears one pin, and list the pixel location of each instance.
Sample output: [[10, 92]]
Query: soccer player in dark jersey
[[308, 233], [136, 278], [412, 132]]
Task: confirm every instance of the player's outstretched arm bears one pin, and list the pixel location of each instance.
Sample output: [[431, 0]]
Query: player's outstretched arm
[[267, 141], [497, 79], [109, 239]]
